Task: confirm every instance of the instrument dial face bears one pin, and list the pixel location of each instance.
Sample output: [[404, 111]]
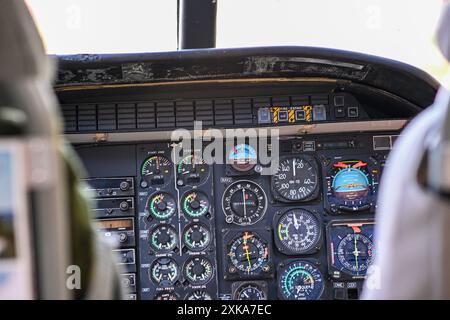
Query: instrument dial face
[[163, 238], [195, 204], [242, 157], [198, 295], [249, 253], [197, 237], [192, 170], [244, 203], [198, 270], [249, 291], [156, 171], [352, 248], [164, 272], [161, 206], [300, 280], [298, 231], [296, 179], [350, 180]]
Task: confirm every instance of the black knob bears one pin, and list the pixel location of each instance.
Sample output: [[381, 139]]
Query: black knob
[[124, 186], [123, 237], [124, 206]]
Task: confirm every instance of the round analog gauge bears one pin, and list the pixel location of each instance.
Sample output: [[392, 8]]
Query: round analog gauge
[[250, 291], [161, 206], [198, 270], [298, 231], [244, 203], [195, 204], [156, 171], [242, 157], [192, 170], [248, 253], [296, 179], [196, 237], [164, 272], [163, 238], [166, 296], [355, 253], [198, 295], [300, 280]]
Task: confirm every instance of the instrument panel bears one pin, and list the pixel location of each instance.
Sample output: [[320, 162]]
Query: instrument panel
[[227, 231]]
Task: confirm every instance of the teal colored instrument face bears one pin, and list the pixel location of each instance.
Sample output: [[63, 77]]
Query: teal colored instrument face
[[163, 238], [301, 280], [161, 206], [195, 204]]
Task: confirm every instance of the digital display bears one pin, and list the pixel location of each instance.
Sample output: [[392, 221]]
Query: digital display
[[114, 224], [7, 237]]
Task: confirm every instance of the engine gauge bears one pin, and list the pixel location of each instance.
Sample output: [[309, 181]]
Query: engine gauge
[[242, 158], [156, 171], [163, 238], [197, 237], [164, 272], [296, 179], [198, 270], [297, 231], [300, 280], [249, 254], [250, 291], [244, 203], [166, 296], [351, 248], [195, 204], [192, 170], [351, 186], [161, 206], [199, 295]]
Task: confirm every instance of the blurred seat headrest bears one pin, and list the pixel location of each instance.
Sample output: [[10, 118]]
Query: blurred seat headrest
[[443, 32], [22, 53]]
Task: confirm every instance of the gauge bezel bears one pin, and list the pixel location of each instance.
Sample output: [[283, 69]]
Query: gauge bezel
[[231, 235], [282, 267], [261, 285], [159, 284], [334, 272], [205, 227], [202, 181], [169, 175], [147, 206], [153, 229], [232, 220], [282, 248], [366, 205], [200, 283], [195, 218], [313, 195]]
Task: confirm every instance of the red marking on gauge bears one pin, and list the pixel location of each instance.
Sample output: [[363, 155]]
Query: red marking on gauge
[[359, 164], [356, 229]]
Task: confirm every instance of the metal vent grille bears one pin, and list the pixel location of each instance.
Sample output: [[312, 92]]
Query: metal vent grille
[[166, 115]]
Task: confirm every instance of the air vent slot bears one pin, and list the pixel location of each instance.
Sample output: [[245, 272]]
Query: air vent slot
[[70, 118], [243, 111], [106, 117], [223, 112], [126, 116], [204, 112], [87, 117], [146, 115], [185, 114], [165, 115]]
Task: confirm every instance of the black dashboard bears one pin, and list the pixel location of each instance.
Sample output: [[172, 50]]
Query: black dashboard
[[194, 229]]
